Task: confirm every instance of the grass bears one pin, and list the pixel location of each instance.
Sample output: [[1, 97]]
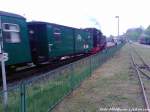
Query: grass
[[143, 52], [112, 85]]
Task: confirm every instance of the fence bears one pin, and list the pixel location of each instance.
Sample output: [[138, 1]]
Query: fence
[[42, 93]]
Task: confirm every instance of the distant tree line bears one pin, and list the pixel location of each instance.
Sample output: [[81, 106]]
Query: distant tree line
[[136, 34]]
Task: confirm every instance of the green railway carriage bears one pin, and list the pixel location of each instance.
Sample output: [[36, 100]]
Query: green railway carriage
[[15, 38], [83, 41], [52, 41]]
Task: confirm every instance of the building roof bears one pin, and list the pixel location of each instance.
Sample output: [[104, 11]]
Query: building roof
[[54, 24], [2, 13]]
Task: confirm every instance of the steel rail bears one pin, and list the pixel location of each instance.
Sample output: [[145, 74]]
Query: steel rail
[[142, 85], [143, 62], [144, 74]]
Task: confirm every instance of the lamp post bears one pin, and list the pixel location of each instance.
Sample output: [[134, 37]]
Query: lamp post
[[118, 24]]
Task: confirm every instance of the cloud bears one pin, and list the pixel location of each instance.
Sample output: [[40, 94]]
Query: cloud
[[133, 13]]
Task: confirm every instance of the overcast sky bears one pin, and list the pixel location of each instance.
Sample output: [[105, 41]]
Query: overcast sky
[[80, 13]]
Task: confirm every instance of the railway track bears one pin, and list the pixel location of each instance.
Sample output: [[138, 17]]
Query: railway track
[[28, 73], [144, 64], [143, 77]]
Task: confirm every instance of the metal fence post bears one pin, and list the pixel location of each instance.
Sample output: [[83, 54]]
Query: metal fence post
[[72, 80], [91, 70], [99, 59], [23, 97]]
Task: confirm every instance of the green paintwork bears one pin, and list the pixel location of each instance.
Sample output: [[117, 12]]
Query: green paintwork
[[63, 46], [17, 52], [52, 40], [83, 41]]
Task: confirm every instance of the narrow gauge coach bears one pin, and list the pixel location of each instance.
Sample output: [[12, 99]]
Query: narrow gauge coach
[[145, 40], [52, 41], [41, 42], [15, 38]]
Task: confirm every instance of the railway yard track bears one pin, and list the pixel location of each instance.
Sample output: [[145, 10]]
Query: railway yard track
[[142, 70]]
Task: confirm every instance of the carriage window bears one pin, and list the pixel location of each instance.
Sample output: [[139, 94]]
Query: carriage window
[[57, 34], [11, 33]]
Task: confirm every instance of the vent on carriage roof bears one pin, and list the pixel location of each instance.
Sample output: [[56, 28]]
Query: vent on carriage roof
[[2, 13]]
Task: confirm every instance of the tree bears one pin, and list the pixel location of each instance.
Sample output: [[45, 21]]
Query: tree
[[134, 33], [147, 31]]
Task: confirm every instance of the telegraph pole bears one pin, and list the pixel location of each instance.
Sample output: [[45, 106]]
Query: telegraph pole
[[118, 24], [5, 94]]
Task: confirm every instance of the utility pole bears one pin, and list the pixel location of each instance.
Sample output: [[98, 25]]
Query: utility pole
[[5, 94], [118, 24]]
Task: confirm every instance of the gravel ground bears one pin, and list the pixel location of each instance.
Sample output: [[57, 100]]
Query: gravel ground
[[142, 45]]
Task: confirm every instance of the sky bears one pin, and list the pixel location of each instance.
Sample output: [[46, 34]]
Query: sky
[[84, 13]]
